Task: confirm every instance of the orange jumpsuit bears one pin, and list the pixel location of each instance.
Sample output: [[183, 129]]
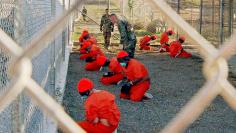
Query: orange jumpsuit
[[84, 33], [94, 52], [176, 50], [134, 71], [101, 104], [143, 43], [114, 67], [91, 39], [164, 42], [82, 48]]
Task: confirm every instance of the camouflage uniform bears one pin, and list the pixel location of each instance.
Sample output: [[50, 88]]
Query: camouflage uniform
[[84, 13], [107, 27], [127, 37]]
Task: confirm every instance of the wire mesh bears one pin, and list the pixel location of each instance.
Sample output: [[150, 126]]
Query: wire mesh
[[7, 15], [44, 68], [36, 14]]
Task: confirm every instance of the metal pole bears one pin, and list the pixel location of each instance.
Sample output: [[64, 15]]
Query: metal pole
[[178, 11], [99, 6], [200, 23], [53, 52], [17, 111], [213, 16], [132, 12], [108, 5], [230, 17], [122, 7], [192, 13], [64, 37], [178, 7], [221, 21]]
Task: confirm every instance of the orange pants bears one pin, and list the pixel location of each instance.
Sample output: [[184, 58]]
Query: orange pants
[[164, 48], [96, 128], [112, 80], [137, 92], [92, 66], [145, 47], [184, 54]]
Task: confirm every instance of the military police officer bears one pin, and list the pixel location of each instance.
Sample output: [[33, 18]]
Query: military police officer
[[106, 27], [127, 35]]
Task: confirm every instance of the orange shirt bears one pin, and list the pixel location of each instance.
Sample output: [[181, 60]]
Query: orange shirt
[[144, 41], [84, 33], [164, 38], [114, 66], [175, 47], [135, 70], [102, 104]]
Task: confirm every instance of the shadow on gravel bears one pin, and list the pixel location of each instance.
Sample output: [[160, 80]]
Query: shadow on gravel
[[173, 83]]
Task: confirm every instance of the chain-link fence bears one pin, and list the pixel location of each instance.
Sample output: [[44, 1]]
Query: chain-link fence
[[22, 20], [25, 22]]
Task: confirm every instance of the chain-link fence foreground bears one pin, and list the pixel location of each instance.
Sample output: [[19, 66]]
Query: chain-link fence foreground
[[33, 39], [29, 23]]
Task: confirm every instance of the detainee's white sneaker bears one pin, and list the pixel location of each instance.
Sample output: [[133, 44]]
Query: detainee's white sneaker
[[148, 95]]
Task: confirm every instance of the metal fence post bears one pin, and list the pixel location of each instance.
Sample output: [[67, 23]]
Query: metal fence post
[[230, 30], [213, 16], [221, 21], [53, 69], [63, 37], [200, 20], [178, 11], [17, 111]]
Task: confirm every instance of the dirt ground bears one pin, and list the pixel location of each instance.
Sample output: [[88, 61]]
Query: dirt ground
[[173, 83]]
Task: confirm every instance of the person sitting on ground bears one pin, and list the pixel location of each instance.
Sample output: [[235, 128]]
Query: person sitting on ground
[[164, 41], [84, 36], [176, 49], [114, 74], [84, 49], [144, 42], [93, 51], [136, 79], [102, 114]]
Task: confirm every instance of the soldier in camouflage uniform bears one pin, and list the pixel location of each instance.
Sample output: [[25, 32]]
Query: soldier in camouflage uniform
[[84, 13], [106, 27], [127, 36]]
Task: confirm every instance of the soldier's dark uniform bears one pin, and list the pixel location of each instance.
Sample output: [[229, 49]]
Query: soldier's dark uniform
[[127, 37], [84, 13], [107, 27]]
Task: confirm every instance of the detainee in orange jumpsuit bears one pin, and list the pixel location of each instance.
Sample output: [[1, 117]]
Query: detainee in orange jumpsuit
[[114, 74], [144, 42], [176, 49], [136, 81], [84, 49], [85, 36], [91, 58], [165, 39], [102, 114]]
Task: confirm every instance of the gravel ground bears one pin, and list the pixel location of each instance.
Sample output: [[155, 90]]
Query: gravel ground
[[173, 83]]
